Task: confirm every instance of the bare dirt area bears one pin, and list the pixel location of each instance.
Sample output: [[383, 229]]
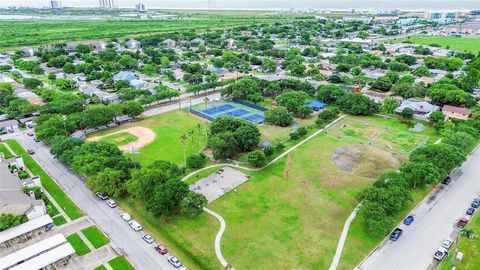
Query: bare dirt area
[[366, 161], [145, 137]]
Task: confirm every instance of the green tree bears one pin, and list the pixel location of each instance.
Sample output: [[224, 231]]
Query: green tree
[[329, 93], [167, 197], [407, 113], [110, 181], [132, 108], [383, 84], [31, 83], [96, 115], [8, 221], [389, 105], [193, 204], [420, 173], [278, 116], [292, 100], [357, 104], [257, 159]]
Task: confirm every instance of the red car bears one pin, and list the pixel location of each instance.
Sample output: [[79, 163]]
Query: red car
[[161, 249]]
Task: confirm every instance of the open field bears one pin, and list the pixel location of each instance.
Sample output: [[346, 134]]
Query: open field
[[120, 263], [18, 33], [168, 128], [120, 138], [78, 245], [454, 43], [48, 183], [95, 236], [289, 215]]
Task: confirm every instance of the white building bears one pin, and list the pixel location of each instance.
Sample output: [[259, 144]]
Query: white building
[[55, 4], [107, 4], [140, 7]]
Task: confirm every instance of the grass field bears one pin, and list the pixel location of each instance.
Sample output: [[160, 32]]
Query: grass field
[[454, 43], [78, 245], [48, 183], [120, 138], [5, 151], [470, 249], [101, 267], [168, 127], [120, 263], [288, 216], [59, 220], [95, 237], [18, 33]]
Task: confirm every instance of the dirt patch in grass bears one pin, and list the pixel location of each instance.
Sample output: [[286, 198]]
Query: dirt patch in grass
[[288, 167], [145, 136], [366, 161]]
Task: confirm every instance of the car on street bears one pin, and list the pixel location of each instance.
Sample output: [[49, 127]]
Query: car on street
[[475, 203], [36, 139], [135, 225], [161, 249], [147, 238], [447, 180], [102, 196], [447, 243], [183, 268], [30, 125], [126, 217], [470, 211], [174, 261], [396, 234], [440, 253], [49, 226], [408, 220], [10, 130], [111, 203], [31, 151], [30, 134], [462, 222]]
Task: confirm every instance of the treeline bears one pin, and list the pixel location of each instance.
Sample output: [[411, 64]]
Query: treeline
[[427, 165], [108, 170]]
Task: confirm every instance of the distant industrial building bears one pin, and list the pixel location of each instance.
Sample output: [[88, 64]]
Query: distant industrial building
[[56, 4], [140, 7], [471, 28], [107, 4], [441, 15]]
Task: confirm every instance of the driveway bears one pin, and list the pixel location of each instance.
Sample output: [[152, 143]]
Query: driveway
[[141, 254], [435, 220]]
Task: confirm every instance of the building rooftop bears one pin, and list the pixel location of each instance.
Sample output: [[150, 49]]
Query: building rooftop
[[453, 109], [24, 228]]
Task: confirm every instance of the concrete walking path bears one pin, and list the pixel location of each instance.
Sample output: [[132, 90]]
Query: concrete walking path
[[218, 237], [343, 238]]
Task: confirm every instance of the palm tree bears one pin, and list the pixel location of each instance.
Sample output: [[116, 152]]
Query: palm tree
[[199, 134], [191, 134], [183, 140], [206, 99]]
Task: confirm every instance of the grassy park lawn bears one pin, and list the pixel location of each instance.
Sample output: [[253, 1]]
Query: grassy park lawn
[[289, 215], [48, 183], [120, 263], [5, 151], [101, 267], [454, 43], [78, 245], [168, 127], [95, 237], [119, 138]]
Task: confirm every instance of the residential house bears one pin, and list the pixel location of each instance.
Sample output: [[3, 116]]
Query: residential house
[[456, 112], [198, 41], [169, 43], [79, 134], [8, 125], [124, 76], [29, 52], [421, 109], [133, 44]]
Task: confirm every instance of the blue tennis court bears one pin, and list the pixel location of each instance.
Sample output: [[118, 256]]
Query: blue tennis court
[[218, 109], [230, 109], [255, 118]]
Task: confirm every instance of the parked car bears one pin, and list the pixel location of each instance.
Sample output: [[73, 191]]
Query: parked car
[[36, 139], [135, 225], [440, 254], [174, 261], [396, 234], [408, 220], [447, 243], [111, 203], [31, 151], [475, 203], [147, 238], [126, 217], [49, 226], [462, 222], [470, 211], [447, 180], [10, 130], [161, 249], [102, 196], [30, 125], [30, 133]]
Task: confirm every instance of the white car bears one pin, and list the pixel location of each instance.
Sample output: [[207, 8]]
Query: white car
[[440, 254], [147, 238], [174, 261], [126, 217], [183, 268], [135, 225], [447, 243], [111, 203]]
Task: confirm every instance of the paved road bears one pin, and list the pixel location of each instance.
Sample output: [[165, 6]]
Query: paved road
[[185, 103], [435, 220], [142, 255]]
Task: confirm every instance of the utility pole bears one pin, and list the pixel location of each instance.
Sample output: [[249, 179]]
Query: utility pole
[[209, 5]]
